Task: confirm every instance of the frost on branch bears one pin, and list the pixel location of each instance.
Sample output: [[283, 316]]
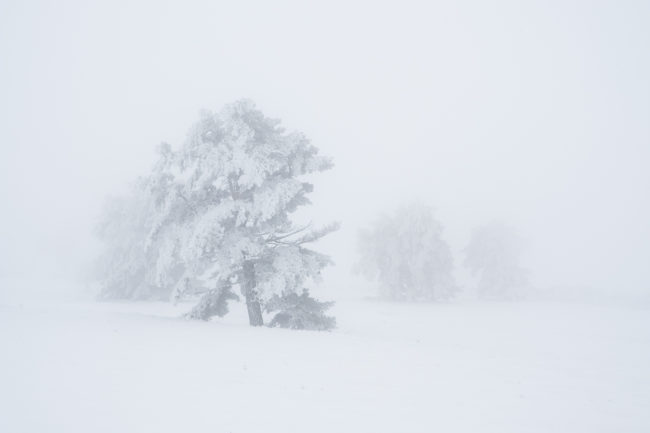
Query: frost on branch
[[300, 312], [213, 303]]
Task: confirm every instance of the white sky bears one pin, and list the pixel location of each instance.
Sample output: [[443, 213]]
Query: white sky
[[537, 113]]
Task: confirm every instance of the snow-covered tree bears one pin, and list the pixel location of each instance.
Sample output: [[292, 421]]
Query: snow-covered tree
[[405, 252], [221, 213], [493, 255]]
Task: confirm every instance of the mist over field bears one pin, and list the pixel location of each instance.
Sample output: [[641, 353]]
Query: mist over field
[[475, 249]]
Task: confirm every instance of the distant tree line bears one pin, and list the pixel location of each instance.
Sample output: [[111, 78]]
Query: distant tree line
[[406, 254]]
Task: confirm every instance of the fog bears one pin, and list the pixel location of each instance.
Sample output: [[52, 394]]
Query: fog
[[451, 124], [535, 114]]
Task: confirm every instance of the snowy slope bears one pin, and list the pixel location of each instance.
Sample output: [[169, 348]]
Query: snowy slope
[[466, 367]]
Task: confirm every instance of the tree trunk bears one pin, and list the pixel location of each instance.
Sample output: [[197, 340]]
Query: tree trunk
[[252, 302]]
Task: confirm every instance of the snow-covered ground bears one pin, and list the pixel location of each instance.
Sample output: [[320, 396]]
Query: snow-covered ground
[[460, 367]]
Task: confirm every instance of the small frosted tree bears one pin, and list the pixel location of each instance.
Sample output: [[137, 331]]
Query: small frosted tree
[[405, 252], [222, 208], [125, 267], [493, 255]]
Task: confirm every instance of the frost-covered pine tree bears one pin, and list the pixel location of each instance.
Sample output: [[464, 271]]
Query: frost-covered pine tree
[[493, 255], [223, 206], [405, 252]]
